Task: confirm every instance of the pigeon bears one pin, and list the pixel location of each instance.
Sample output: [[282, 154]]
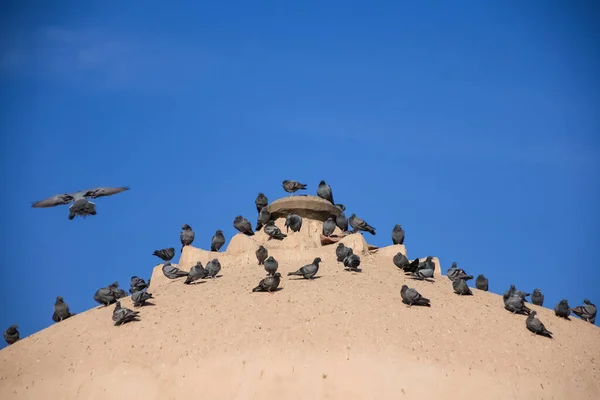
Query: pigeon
[[120, 293], [482, 283], [411, 297], [218, 240], [352, 262], [537, 297], [516, 304], [264, 216], [412, 267], [212, 268], [293, 186], [273, 231], [328, 227], [81, 205], [342, 222], [536, 326], [261, 202], [340, 207], [562, 309], [61, 310], [11, 334], [261, 255], [293, 222], [196, 272], [173, 272], [168, 253], [360, 225], [243, 225], [460, 287], [268, 284], [342, 252], [324, 192], [427, 264], [586, 312], [454, 273], [123, 315], [423, 274], [271, 265], [136, 284], [187, 236], [398, 234], [139, 298], [400, 260], [308, 271], [107, 295], [513, 291]]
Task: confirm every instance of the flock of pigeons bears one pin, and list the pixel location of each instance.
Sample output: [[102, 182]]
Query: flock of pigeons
[[514, 300]]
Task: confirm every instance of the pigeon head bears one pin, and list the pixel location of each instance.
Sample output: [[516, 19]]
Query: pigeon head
[[261, 247], [219, 233], [341, 207], [277, 275], [429, 258], [13, 327], [114, 284], [59, 299], [261, 195], [134, 277], [341, 245], [533, 313], [536, 291], [270, 258], [586, 301], [480, 276], [454, 264], [186, 227], [239, 218], [198, 263], [316, 261], [270, 223], [564, 301], [353, 215], [403, 289], [398, 226], [117, 305], [322, 183]]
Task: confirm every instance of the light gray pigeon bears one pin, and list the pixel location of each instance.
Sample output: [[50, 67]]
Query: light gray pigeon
[[261, 254], [271, 265], [293, 222], [460, 287], [342, 252], [537, 297], [123, 315], [11, 334], [186, 236], [360, 225], [136, 284], [423, 274], [400, 260], [196, 272], [324, 192], [61, 310], [268, 284], [454, 273], [398, 234], [261, 202], [168, 253], [264, 216], [513, 290], [273, 231], [81, 205], [172, 272], [292, 186], [107, 295], [139, 298], [212, 268], [308, 271], [536, 326], [413, 298], [218, 240], [243, 225], [587, 312], [482, 283], [562, 309], [352, 262], [328, 227]]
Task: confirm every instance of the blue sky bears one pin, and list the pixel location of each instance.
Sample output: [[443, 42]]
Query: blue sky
[[474, 126]]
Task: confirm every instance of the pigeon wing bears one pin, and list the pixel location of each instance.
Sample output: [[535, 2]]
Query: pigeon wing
[[58, 200], [104, 191]]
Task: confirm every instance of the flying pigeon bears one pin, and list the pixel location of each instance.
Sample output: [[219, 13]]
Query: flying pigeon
[[243, 225], [168, 253], [196, 272], [328, 227], [261, 254], [261, 202], [586, 312], [293, 222], [292, 186], [308, 271], [173, 272], [218, 240], [360, 225], [187, 236], [123, 315], [81, 205], [324, 192], [562, 309], [537, 297], [268, 284], [398, 234], [412, 297], [482, 283], [139, 298], [536, 326], [271, 265], [273, 231], [11, 334], [61, 310]]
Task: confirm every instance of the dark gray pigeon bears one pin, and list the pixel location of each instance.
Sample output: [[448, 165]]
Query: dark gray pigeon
[[308, 271], [460, 287], [187, 236], [454, 273], [342, 222], [243, 225], [587, 312], [271, 265], [398, 234], [264, 216], [328, 227], [196, 272], [413, 266], [107, 295], [261, 254], [537, 297], [268, 284], [61, 310], [11, 334], [81, 205], [427, 264], [352, 262], [261, 202], [212, 268], [123, 315], [516, 304], [536, 326], [218, 240], [360, 225], [172, 272], [168, 253], [273, 231], [562, 309], [400, 260], [413, 298], [293, 222], [342, 252], [139, 298], [136, 284], [293, 186], [120, 293], [482, 283], [324, 192], [513, 290]]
